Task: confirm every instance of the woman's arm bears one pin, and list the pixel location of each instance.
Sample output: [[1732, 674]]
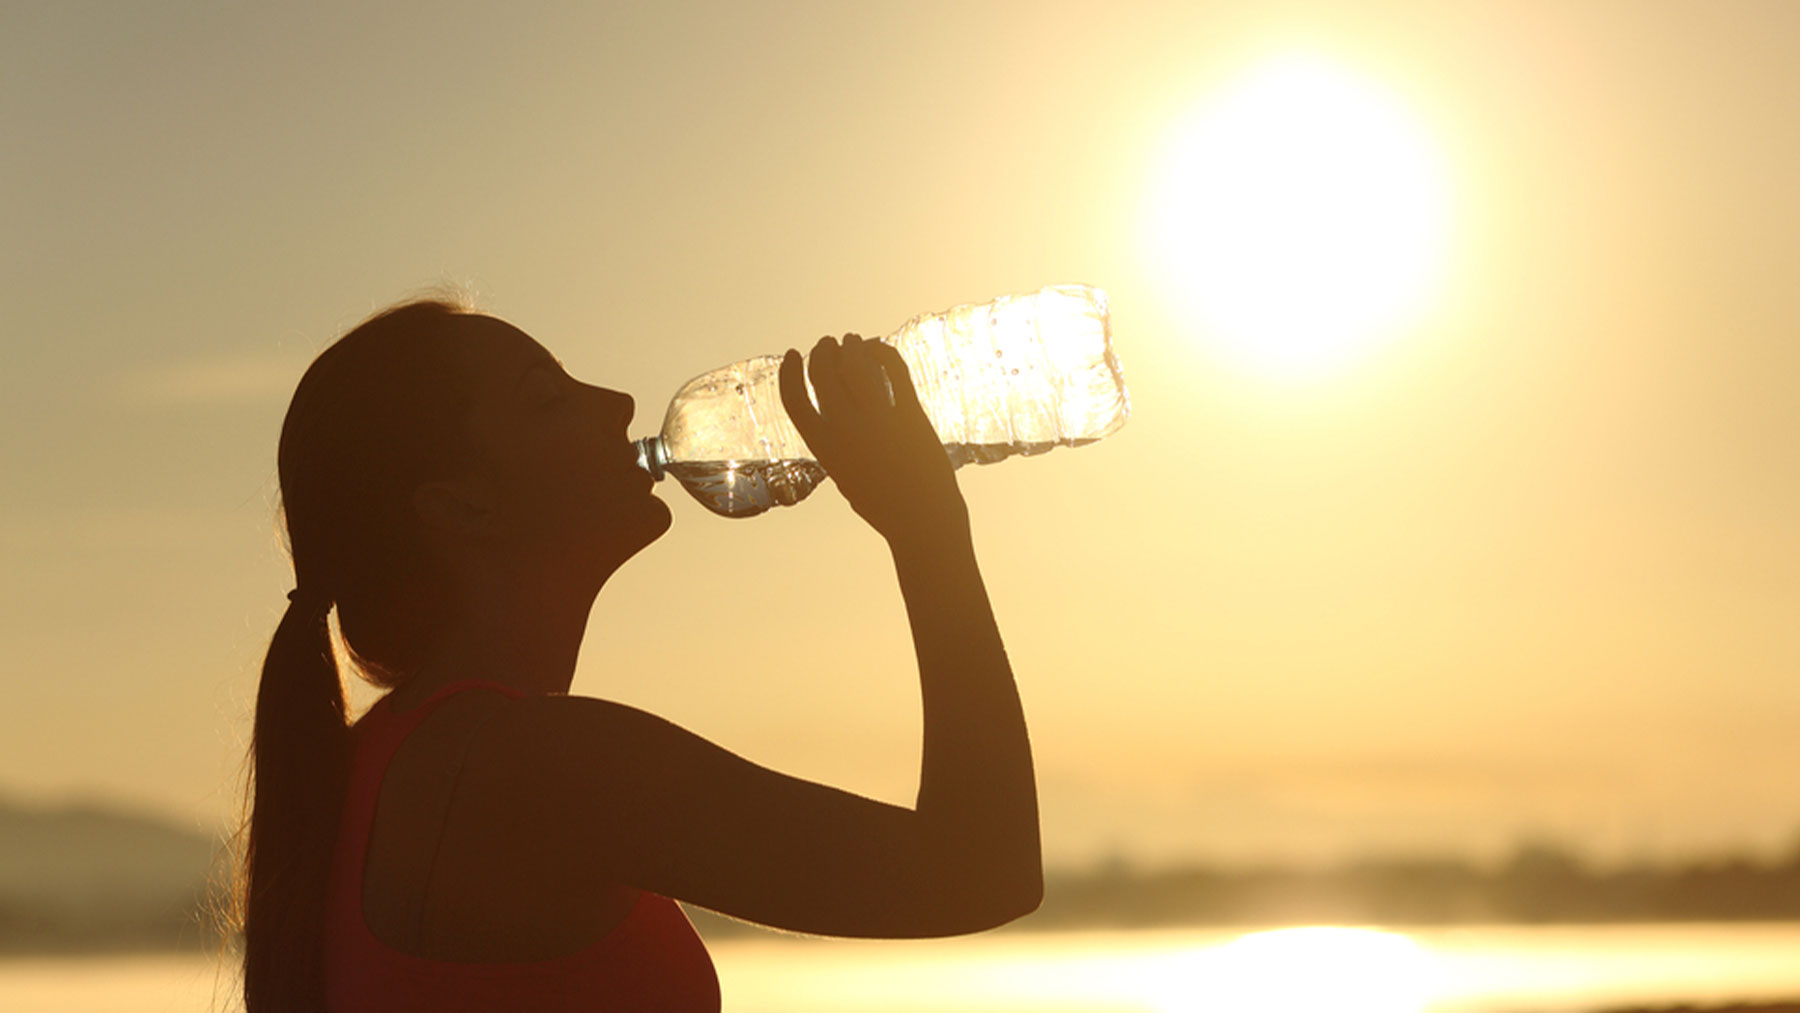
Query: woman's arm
[[975, 778], [602, 784]]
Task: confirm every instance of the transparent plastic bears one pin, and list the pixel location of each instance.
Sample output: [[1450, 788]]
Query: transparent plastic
[[1016, 376]]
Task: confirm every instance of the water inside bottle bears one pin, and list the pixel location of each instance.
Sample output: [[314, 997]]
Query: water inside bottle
[[747, 488]]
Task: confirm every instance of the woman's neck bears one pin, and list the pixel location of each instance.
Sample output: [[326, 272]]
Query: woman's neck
[[528, 642]]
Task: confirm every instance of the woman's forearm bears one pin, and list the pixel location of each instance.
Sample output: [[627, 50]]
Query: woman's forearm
[[977, 792], [971, 842]]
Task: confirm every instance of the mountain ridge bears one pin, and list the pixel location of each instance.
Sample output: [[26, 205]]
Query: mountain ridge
[[93, 875], [89, 875]]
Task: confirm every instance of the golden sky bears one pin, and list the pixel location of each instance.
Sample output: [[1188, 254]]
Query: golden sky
[[1528, 567]]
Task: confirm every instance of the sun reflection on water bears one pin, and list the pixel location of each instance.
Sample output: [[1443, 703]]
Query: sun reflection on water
[[1288, 970], [1319, 969], [1301, 970]]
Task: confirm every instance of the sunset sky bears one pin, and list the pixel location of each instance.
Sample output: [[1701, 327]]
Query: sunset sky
[[1522, 561]]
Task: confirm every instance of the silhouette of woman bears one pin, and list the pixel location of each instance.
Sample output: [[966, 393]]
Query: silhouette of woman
[[482, 839]]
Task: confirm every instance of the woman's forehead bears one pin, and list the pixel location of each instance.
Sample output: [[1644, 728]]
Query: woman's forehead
[[497, 350]]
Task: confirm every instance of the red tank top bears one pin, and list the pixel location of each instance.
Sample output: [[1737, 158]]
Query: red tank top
[[653, 960]]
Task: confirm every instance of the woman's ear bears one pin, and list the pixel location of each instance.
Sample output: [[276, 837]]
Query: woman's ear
[[460, 506]]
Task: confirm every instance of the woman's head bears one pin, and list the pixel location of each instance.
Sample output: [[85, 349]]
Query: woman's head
[[429, 444]]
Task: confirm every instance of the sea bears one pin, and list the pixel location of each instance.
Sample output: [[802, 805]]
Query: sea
[[1341, 969]]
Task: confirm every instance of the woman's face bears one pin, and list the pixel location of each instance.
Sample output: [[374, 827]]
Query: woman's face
[[554, 461]]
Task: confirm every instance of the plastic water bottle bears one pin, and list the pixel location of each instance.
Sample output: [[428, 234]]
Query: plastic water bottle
[[1019, 375]]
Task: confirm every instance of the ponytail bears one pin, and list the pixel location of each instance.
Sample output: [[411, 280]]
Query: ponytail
[[380, 410], [299, 759]]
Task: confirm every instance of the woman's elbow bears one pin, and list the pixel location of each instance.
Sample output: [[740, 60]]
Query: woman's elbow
[[975, 890], [1028, 897], [1028, 880], [1009, 898]]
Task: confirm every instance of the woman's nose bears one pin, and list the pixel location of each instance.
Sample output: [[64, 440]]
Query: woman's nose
[[614, 406]]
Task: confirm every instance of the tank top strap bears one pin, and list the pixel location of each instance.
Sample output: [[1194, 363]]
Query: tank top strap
[[377, 736], [380, 732], [652, 960]]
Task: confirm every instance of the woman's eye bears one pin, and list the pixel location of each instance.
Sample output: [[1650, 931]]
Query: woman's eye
[[545, 390]]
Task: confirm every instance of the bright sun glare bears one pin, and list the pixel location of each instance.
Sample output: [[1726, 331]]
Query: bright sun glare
[[1302, 970], [1299, 217]]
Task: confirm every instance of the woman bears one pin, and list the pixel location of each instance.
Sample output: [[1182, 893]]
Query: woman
[[481, 839]]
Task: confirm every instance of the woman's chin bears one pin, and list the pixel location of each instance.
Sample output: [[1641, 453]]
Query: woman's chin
[[661, 517], [649, 518]]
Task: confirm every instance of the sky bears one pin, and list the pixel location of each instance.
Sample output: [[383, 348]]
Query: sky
[[1525, 566]]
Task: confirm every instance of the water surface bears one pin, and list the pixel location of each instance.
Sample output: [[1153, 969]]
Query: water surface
[[1499, 969]]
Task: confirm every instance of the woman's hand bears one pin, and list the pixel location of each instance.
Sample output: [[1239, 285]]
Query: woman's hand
[[880, 450]]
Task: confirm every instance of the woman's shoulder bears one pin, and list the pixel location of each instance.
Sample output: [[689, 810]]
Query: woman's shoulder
[[587, 776], [520, 757]]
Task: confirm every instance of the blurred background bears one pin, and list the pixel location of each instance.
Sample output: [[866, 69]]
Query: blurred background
[[1456, 528]]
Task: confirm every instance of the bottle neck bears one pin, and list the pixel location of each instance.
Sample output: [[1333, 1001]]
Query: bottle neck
[[651, 457]]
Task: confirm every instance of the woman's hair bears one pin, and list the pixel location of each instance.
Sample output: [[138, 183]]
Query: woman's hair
[[381, 410]]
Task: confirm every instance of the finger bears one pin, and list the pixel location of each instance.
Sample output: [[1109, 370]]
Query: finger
[[862, 372], [824, 368], [797, 402], [899, 379]]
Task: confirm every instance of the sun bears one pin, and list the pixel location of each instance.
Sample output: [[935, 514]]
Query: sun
[[1299, 218]]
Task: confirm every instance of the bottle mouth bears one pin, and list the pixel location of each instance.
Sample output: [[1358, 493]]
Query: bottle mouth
[[650, 456]]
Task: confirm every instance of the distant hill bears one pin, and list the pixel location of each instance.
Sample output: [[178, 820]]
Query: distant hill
[[87, 876], [92, 877], [1538, 884]]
